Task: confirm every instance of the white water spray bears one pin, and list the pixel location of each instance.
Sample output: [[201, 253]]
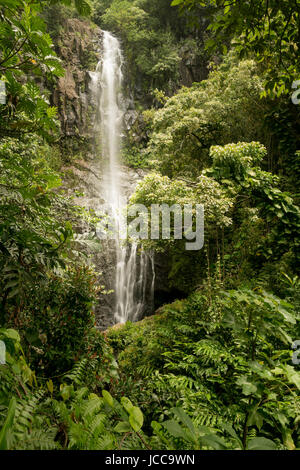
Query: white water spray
[[133, 287]]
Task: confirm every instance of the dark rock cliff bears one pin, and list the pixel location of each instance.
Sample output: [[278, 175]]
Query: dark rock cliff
[[78, 45]]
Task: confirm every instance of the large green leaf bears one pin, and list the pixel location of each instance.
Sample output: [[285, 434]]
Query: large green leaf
[[108, 398], [261, 443], [136, 418]]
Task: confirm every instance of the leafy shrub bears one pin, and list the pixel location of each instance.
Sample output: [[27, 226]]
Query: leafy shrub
[[55, 323], [46, 292], [224, 108], [34, 233], [226, 362]]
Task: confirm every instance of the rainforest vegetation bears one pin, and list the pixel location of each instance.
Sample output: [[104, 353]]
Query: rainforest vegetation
[[215, 88]]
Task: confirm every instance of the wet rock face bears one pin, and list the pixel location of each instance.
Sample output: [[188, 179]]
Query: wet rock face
[[87, 177], [78, 46]]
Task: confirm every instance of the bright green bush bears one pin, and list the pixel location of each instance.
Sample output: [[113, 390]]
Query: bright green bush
[[222, 109]]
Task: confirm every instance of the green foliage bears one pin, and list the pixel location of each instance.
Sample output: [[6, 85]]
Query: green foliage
[[248, 219], [56, 324], [154, 38], [33, 237], [46, 290], [19, 401], [27, 56], [267, 29], [68, 418], [26, 51], [277, 208], [224, 108], [4, 434], [135, 157], [82, 6], [32, 416], [157, 189], [226, 363], [184, 434]]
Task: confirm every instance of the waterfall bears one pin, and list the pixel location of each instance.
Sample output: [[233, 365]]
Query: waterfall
[[134, 276]]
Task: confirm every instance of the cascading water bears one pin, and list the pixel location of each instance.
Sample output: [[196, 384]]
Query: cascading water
[[134, 277]]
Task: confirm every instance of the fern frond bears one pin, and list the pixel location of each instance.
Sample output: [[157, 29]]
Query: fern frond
[[78, 372]]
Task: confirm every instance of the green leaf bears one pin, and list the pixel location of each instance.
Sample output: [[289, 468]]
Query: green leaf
[[126, 403], [123, 426], [255, 418], [213, 441], [50, 386], [233, 434], [12, 334], [136, 418], [176, 430], [248, 387], [158, 430], [261, 443], [4, 433], [65, 391], [184, 418], [287, 315], [108, 398], [288, 439]]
